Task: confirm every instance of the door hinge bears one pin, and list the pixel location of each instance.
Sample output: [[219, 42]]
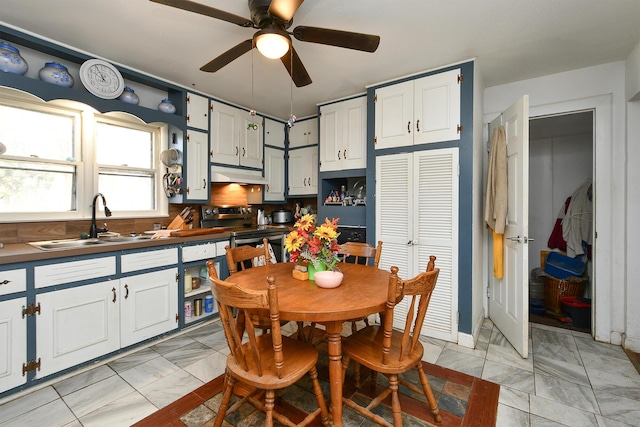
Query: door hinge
[[187, 99], [187, 118], [31, 365], [460, 128], [30, 310], [460, 78], [375, 140], [177, 277], [375, 98], [488, 292], [177, 317], [187, 190]]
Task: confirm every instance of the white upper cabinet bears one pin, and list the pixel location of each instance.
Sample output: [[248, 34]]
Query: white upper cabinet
[[418, 111], [303, 171], [343, 135], [274, 173], [197, 167], [197, 111], [304, 132], [273, 133], [236, 137]]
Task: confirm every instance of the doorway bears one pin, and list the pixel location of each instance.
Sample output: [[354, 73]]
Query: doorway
[[561, 160]]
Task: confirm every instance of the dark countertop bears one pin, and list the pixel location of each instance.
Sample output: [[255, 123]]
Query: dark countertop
[[23, 252]]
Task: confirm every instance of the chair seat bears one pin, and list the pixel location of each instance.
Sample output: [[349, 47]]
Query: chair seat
[[300, 357], [368, 341]]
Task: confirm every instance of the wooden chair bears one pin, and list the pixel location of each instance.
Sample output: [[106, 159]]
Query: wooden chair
[[393, 352], [239, 258], [358, 252], [265, 363]]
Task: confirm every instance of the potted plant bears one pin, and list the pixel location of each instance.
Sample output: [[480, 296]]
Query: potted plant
[[316, 244]]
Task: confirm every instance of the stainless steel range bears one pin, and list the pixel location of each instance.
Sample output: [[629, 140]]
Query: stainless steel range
[[239, 221]]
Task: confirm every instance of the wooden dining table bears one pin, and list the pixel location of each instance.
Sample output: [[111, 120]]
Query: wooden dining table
[[363, 292]]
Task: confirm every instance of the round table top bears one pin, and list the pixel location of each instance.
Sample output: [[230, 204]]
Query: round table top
[[363, 292]]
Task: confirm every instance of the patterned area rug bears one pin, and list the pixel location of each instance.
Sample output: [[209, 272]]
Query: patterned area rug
[[463, 400]]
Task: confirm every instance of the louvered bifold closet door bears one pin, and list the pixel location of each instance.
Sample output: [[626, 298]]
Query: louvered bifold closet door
[[393, 211], [436, 228], [417, 216]]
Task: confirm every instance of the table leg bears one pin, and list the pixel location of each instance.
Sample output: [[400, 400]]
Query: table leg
[[334, 351]]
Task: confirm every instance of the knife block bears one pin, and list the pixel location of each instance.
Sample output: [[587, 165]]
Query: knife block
[[178, 224]]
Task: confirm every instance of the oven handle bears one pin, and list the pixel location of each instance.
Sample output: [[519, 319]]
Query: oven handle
[[251, 240]]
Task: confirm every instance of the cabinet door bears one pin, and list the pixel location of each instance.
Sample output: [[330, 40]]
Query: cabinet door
[[273, 133], [394, 115], [437, 108], [76, 325], [197, 166], [224, 133], [354, 134], [250, 140], [274, 173], [331, 136], [197, 111], [303, 171], [304, 132], [148, 305], [13, 343]]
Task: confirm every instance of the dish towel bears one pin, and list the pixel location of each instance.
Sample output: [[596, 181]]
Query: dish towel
[[258, 261], [495, 209]]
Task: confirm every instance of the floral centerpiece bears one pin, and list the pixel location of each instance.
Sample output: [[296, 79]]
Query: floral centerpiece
[[316, 244]]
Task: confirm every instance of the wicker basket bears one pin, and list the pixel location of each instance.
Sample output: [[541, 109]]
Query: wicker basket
[[556, 288]]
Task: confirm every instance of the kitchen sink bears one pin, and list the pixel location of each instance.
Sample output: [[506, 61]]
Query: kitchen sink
[[49, 245]]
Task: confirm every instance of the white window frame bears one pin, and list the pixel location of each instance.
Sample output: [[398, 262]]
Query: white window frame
[[84, 154]]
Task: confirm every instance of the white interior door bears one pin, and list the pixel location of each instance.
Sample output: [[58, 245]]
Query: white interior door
[[508, 297]]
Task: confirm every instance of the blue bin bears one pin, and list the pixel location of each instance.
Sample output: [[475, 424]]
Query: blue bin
[[561, 266]]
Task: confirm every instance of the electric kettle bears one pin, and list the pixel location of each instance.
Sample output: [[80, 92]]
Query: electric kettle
[[261, 219]]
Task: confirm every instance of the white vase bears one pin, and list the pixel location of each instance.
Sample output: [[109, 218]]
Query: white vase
[[166, 106], [129, 96], [55, 73], [10, 59]]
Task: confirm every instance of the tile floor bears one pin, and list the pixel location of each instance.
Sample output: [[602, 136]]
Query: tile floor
[[568, 380]]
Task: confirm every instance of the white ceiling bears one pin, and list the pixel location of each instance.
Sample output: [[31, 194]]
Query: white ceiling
[[511, 40]]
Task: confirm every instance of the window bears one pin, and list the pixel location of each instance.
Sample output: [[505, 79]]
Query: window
[[59, 154]]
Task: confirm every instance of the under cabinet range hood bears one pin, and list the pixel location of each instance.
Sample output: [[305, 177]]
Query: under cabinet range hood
[[239, 176]]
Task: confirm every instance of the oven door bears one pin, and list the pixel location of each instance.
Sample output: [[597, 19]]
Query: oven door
[[276, 240]]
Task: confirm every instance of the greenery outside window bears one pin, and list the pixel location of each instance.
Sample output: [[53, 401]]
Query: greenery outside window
[[59, 154]]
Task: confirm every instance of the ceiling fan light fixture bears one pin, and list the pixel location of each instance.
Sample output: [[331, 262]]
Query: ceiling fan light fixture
[[272, 43]]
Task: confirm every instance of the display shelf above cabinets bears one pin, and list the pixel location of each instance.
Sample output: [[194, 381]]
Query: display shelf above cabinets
[[47, 92]]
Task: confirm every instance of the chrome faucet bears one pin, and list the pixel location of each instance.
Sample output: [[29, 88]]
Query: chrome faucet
[[93, 232]]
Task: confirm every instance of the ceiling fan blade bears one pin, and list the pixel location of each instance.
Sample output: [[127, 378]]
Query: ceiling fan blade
[[346, 39], [298, 73], [284, 9], [230, 55], [207, 11]]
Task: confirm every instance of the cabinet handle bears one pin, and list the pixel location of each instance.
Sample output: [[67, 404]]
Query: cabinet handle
[[344, 154], [114, 294], [243, 152], [267, 188], [339, 158], [408, 127], [237, 151], [418, 126], [126, 287], [204, 184], [309, 181], [5, 282], [304, 182]]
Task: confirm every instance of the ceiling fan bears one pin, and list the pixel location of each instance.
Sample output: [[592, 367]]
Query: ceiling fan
[[272, 19]]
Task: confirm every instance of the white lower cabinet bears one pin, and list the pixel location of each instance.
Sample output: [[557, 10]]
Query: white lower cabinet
[[76, 324], [148, 305], [13, 343]]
